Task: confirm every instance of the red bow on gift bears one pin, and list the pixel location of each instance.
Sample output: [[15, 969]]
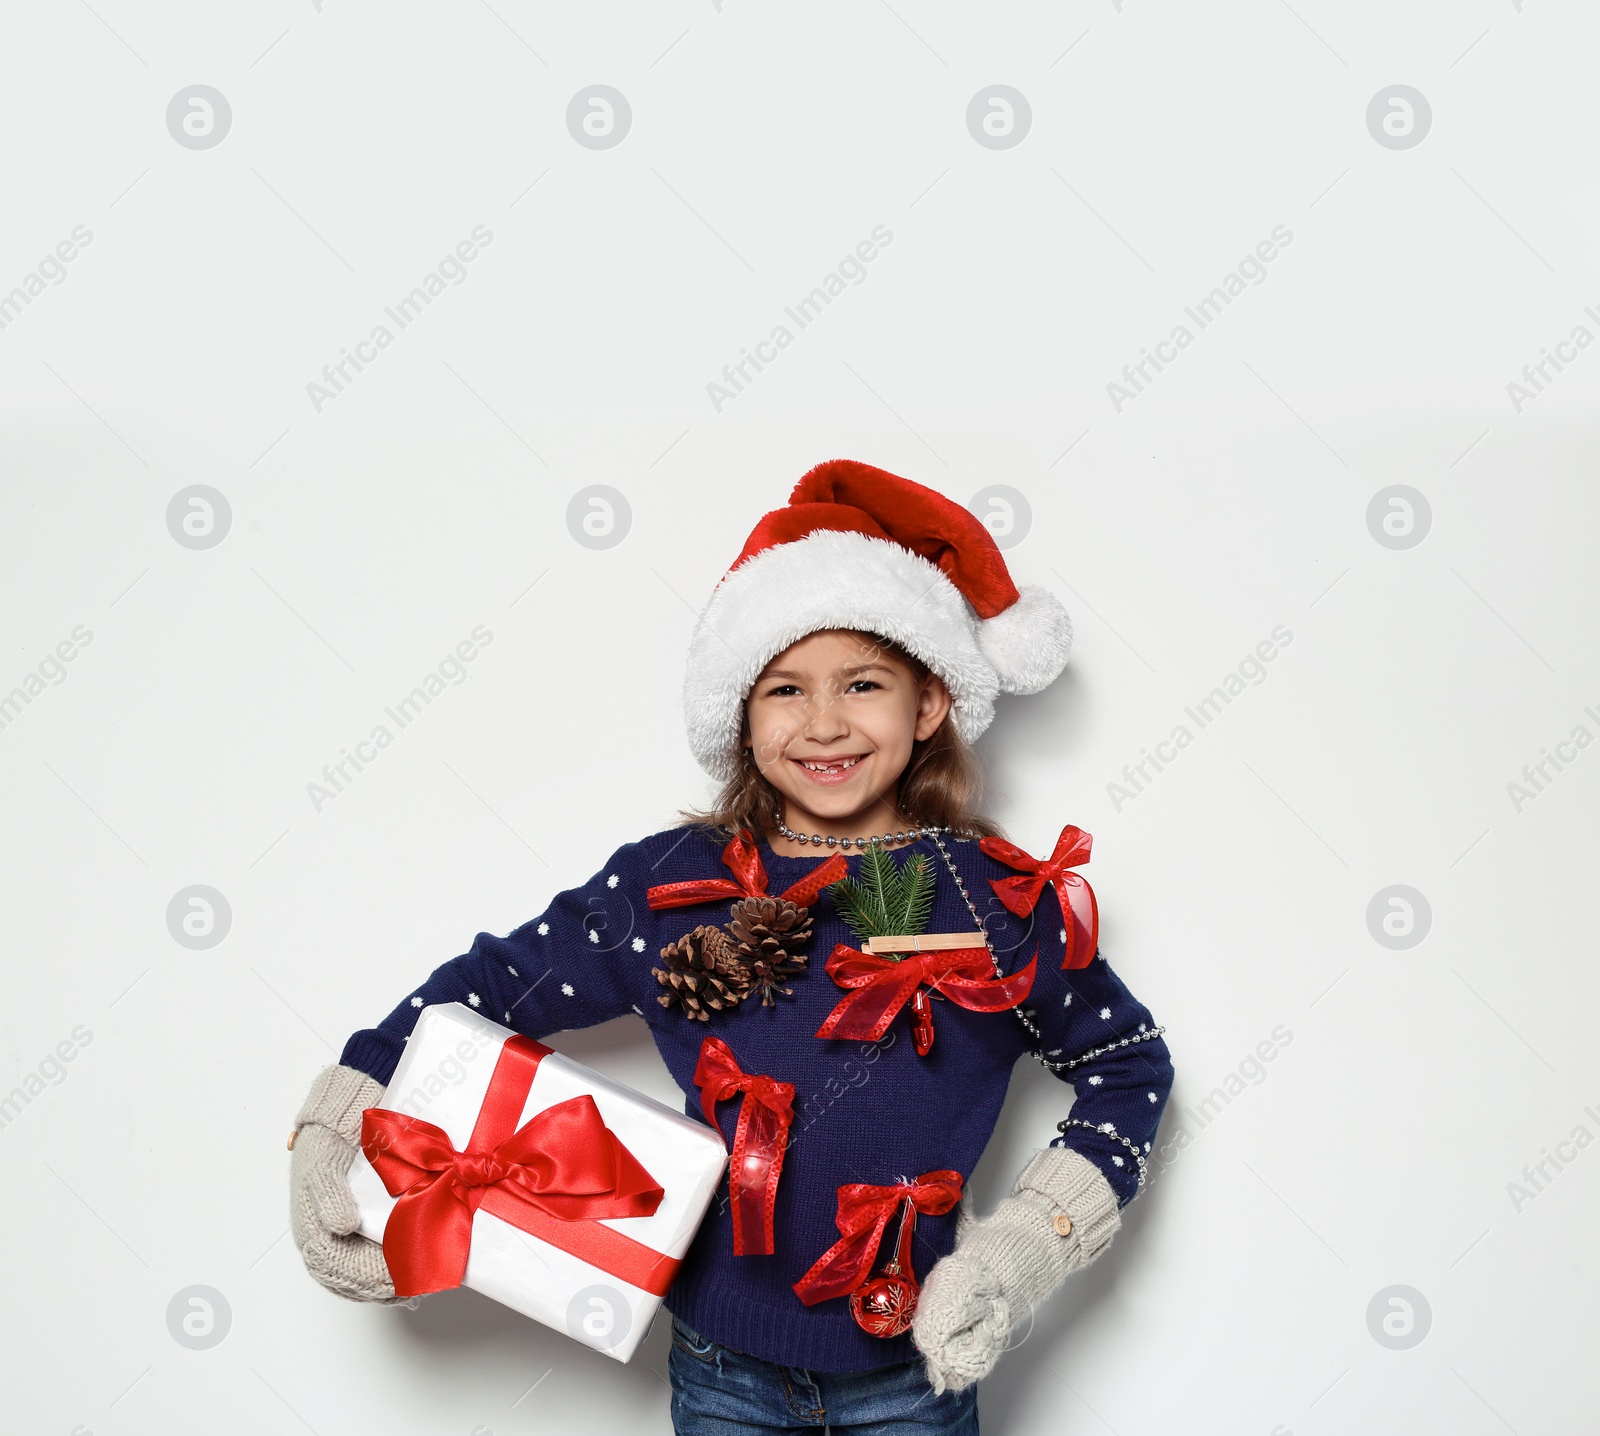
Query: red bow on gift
[[864, 1212], [881, 986], [1079, 910], [759, 1140], [749, 879], [562, 1171]]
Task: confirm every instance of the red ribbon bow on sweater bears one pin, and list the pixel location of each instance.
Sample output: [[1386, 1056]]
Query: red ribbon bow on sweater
[[749, 879], [880, 986], [565, 1168], [759, 1140], [864, 1212], [1079, 910]]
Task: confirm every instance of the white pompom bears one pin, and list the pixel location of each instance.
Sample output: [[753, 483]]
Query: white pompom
[[1029, 642]]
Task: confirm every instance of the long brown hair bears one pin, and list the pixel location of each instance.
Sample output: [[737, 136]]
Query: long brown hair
[[942, 785]]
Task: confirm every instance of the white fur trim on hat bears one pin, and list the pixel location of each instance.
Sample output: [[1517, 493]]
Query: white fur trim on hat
[[835, 579]]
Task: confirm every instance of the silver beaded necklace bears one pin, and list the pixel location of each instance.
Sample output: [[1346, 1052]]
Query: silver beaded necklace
[[1028, 1018], [818, 840], [1025, 1015]]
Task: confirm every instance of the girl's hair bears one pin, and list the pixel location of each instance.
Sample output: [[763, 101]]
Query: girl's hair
[[941, 787]]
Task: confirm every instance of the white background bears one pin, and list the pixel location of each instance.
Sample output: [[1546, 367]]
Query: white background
[[1231, 496]]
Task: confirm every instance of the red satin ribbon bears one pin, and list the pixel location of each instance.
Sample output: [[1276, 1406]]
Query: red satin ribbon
[[555, 1178], [881, 986], [1079, 911], [863, 1213], [759, 1140], [749, 879]]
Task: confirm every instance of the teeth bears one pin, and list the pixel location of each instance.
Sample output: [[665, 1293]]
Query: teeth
[[845, 766]]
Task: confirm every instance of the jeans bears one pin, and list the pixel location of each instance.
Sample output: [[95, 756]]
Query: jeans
[[717, 1391]]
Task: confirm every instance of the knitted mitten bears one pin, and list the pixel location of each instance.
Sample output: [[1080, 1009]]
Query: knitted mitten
[[322, 1213], [1061, 1215]]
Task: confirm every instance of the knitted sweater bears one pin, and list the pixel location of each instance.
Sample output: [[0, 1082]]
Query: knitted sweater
[[873, 1112]]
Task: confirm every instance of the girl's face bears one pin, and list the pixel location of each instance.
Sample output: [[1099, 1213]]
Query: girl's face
[[830, 723]]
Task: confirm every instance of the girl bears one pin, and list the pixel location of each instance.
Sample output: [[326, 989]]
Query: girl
[[887, 955]]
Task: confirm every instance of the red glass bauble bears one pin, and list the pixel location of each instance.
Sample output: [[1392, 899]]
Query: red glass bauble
[[886, 1300], [884, 1305]]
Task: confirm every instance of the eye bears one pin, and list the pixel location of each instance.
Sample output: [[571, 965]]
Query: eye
[[863, 685], [783, 690]]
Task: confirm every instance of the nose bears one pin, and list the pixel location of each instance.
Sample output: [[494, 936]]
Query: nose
[[825, 721]]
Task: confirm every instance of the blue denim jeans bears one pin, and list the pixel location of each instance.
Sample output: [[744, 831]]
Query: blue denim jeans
[[717, 1391]]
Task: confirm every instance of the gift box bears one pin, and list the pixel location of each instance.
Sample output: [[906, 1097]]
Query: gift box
[[496, 1163]]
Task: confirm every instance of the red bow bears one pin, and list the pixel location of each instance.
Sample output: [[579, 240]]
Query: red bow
[[1079, 910], [749, 879], [880, 986], [759, 1140], [864, 1212], [556, 1177]]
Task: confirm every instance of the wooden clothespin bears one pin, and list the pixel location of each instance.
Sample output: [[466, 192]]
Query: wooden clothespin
[[926, 942]]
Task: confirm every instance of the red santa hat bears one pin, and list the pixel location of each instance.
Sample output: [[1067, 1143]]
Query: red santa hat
[[863, 549]]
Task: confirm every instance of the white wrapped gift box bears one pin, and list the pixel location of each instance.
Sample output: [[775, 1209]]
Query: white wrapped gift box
[[443, 1078]]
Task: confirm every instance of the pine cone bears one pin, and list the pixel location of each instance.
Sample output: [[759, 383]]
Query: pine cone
[[768, 933], [701, 973]]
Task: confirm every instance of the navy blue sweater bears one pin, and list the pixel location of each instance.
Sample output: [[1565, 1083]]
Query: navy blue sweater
[[864, 1111]]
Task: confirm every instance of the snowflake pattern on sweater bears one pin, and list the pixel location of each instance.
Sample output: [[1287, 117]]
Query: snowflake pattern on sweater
[[864, 1111]]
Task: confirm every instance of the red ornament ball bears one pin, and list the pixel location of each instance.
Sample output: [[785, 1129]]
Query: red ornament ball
[[884, 1305]]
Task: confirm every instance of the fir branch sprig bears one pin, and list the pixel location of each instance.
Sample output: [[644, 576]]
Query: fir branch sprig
[[889, 900], [910, 912]]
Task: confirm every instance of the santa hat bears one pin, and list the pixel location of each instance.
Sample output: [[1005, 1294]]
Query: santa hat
[[863, 549]]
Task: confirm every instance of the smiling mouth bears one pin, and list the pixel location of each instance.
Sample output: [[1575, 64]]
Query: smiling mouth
[[826, 770]]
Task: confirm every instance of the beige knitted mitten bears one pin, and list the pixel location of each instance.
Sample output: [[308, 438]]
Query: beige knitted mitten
[[1061, 1215], [322, 1213]]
